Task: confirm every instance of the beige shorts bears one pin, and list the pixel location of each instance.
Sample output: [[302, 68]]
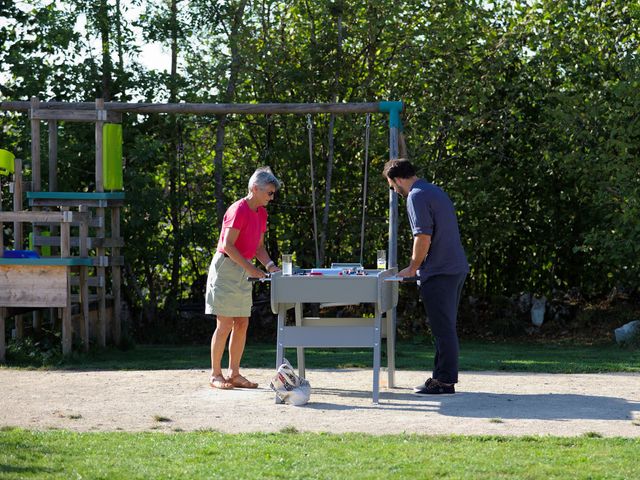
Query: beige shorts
[[228, 291]]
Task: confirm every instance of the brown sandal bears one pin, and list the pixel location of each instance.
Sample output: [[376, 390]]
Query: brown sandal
[[240, 382], [220, 382]]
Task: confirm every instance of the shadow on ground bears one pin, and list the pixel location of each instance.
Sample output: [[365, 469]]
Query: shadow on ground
[[490, 405]]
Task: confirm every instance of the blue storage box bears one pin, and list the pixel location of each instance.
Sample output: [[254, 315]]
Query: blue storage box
[[20, 254]]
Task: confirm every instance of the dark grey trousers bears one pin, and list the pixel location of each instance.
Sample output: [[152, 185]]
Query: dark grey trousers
[[441, 297]]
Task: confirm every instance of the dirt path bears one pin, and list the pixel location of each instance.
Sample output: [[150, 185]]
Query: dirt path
[[486, 403]]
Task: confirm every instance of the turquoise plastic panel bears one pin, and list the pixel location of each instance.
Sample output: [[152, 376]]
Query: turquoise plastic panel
[[53, 261], [76, 195]]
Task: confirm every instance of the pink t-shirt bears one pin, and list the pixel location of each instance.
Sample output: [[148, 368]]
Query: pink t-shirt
[[251, 225]]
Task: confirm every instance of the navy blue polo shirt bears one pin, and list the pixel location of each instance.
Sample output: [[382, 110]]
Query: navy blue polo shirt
[[431, 212]]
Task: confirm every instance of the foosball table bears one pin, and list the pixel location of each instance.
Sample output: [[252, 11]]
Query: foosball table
[[339, 285]]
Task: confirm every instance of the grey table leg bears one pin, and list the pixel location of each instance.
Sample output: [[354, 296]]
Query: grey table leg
[[300, 350], [377, 336], [391, 348], [282, 315]]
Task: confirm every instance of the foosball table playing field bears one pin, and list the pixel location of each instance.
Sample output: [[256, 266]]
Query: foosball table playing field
[[342, 284]]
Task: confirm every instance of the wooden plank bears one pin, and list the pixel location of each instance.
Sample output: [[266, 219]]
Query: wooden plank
[[238, 108], [65, 235], [101, 291], [93, 301], [99, 153], [35, 146], [67, 328], [19, 327], [106, 243], [84, 285], [205, 108], [53, 155], [44, 217], [19, 106], [93, 222], [111, 261], [90, 281], [33, 286], [36, 320], [85, 282], [17, 203], [30, 217], [116, 277], [86, 116]]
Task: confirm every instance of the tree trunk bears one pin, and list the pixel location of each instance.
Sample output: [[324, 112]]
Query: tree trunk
[[120, 74], [234, 70], [174, 168], [103, 19], [327, 196]]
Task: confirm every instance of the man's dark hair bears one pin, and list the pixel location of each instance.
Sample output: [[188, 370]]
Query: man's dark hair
[[398, 168]]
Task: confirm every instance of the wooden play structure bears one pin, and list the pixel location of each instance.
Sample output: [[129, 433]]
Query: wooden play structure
[[77, 234], [72, 268]]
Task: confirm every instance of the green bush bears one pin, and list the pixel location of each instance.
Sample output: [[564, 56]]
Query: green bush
[[47, 350]]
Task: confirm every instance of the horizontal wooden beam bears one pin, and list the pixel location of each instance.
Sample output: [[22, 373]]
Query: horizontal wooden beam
[[91, 281], [93, 301], [203, 108], [113, 261], [77, 115], [92, 242], [45, 217], [33, 286], [97, 222], [45, 202]]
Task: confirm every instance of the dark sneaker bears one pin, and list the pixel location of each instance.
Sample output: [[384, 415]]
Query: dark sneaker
[[423, 385], [433, 387]]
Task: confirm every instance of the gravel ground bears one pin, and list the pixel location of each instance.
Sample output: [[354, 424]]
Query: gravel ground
[[494, 403]]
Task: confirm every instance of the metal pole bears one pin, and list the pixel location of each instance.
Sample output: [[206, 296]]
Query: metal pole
[[393, 204], [394, 109]]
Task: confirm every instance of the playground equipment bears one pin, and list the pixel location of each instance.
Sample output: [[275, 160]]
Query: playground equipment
[[103, 247], [82, 228]]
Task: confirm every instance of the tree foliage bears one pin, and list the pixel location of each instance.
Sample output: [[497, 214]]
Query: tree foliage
[[526, 112]]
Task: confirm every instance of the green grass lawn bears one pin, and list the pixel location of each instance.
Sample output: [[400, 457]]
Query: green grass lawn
[[417, 355], [288, 454]]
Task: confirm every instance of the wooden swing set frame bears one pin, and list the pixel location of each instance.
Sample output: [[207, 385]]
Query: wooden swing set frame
[[106, 207]]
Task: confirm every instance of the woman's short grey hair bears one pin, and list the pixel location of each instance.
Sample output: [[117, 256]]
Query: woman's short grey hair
[[262, 177]]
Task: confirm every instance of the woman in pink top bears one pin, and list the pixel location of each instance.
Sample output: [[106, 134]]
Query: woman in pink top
[[228, 291]]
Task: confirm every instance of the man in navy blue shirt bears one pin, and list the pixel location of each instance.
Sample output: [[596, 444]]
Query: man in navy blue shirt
[[439, 260]]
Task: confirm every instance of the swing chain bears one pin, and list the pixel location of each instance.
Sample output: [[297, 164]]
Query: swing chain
[[364, 186], [267, 148], [313, 190]]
